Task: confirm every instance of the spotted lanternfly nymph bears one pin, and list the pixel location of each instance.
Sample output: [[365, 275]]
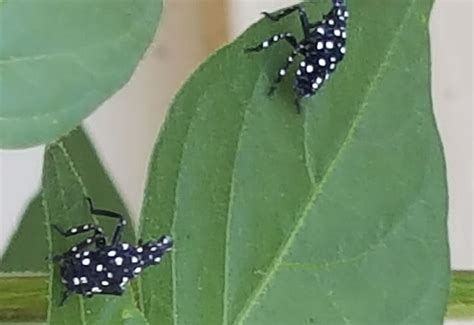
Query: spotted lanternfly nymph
[[322, 48], [108, 267]]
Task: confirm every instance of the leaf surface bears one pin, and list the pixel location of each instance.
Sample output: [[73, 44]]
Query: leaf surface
[[59, 60], [334, 216]]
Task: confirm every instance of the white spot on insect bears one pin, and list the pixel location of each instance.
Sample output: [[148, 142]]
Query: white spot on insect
[[124, 281], [332, 59], [73, 230], [118, 260], [104, 283], [319, 80], [74, 249], [337, 32], [290, 59], [288, 34], [137, 270], [303, 63], [275, 38], [344, 35], [319, 45], [329, 45], [110, 275], [77, 255], [320, 30], [99, 268], [96, 289], [83, 279], [75, 281], [157, 259], [85, 227], [309, 68], [331, 22], [332, 66], [124, 222], [343, 50], [327, 76], [346, 14], [265, 44], [298, 72], [89, 240], [86, 261], [315, 86], [322, 62], [112, 253], [140, 249], [154, 248], [134, 259], [86, 253], [150, 257], [282, 72], [125, 246]]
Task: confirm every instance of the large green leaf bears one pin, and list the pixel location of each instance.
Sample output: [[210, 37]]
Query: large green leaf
[[60, 59], [334, 216], [64, 192]]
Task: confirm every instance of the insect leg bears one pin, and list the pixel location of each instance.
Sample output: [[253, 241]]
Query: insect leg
[[78, 230], [285, 12], [106, 213], [97, 237], [283, 71], [63, 298], [272, 40]]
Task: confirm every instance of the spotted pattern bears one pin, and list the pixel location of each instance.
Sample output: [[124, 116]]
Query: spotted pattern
[[321, 50], [324, 49], [108, 269]]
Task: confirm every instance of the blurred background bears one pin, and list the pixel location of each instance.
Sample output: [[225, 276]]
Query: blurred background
[[125, 128]]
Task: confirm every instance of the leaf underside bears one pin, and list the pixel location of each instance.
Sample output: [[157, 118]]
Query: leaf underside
[[59, 60], [334, 216]]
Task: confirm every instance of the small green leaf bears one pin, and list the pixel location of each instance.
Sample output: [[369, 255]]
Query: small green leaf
[[64, 192], [334, 216], [59, 60], [29, 248]]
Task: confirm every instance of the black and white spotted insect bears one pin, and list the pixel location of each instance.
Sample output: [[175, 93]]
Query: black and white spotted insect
[[107, 268], [322, 48]]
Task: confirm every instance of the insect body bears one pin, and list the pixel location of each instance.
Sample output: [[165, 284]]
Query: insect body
[[110, 266], [322, 48]]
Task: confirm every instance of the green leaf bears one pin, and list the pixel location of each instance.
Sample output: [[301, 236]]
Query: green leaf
[[28, 247], [64, 192], [334, 216], [70, 58]]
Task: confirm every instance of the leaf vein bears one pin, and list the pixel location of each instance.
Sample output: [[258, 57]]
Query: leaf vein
[[277, 261]]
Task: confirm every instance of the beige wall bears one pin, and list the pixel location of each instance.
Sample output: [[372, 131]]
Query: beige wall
[[125, 127]]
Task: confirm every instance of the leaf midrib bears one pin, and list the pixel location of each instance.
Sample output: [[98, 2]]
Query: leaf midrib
[[318, 190], [51, 265], [230, 206]]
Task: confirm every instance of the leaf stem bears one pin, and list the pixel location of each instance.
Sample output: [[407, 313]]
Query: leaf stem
[[24, 298]]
